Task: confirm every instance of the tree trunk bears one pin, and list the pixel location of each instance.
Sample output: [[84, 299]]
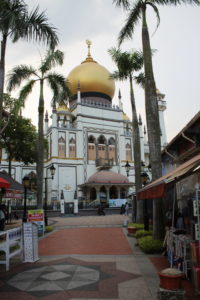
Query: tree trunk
[[40, 148], [2, 75], [137, 152], [153, 127]]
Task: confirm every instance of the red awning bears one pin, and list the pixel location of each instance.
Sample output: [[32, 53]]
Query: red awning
[[4, 183], [157, 188]]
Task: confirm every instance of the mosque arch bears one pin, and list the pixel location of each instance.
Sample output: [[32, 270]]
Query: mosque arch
[[112, 149], [103, 194], [128, 151], [72, 147], [61, 147], [91, 148], [122, 193], [113, 194], [102, 147], [93, 194]]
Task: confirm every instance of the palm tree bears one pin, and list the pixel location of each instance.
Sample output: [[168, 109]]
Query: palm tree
[[57, 84], [17, 23], [128, 63], [136, 13]]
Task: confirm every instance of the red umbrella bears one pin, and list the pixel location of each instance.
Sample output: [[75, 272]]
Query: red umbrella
[[4, 183]]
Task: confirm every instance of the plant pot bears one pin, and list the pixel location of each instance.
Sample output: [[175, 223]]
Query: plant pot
[[131, 230], [171, 281]]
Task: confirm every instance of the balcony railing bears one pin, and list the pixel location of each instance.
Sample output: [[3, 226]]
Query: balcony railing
[[104, 162]]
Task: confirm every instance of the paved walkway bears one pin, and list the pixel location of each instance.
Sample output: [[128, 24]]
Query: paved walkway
[[84, 258]]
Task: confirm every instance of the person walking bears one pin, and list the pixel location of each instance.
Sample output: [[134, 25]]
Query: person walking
[[126, 209]]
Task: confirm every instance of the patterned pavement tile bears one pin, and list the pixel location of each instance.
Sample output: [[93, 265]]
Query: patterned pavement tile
[[64, 279]]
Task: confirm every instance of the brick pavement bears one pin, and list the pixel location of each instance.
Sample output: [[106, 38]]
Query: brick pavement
[[85, 258]]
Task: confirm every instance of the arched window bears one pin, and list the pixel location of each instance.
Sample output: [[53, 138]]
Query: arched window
[[128, 152], [102, 147], [72, 147], [61, 147], [112, 149], [91, 148]]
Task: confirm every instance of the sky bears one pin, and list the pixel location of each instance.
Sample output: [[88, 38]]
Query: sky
[[176, 62]]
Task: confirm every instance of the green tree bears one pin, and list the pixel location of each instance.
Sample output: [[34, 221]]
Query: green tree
[[58, 86], [137, 12], [19, 140], [17, 23], [128, 63]]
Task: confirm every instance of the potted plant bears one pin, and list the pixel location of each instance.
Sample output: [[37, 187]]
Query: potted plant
[[131, 229], [171, 279]]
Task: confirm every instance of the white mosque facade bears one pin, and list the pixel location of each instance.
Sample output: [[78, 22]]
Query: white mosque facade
[[90, 141]]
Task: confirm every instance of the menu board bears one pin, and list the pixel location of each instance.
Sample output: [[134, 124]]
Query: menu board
[[37, 216], [30, 242]]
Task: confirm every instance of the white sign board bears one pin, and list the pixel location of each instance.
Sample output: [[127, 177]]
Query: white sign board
[[30, 242]]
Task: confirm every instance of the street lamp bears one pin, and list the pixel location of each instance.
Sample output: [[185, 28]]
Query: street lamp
[[52, 170], [25, 181]]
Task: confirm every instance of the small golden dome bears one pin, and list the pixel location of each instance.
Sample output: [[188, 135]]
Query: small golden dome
[[62, 108], [92, 77], [125, 117]]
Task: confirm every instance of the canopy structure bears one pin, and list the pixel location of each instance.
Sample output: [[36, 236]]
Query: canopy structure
[[4, 183], [157, 188]]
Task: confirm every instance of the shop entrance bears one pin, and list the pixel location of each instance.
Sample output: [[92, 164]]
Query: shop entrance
[[69, 208]]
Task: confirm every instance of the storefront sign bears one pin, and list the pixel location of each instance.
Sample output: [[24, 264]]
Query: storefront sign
[[37, 216]]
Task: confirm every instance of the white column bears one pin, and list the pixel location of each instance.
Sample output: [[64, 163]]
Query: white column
[[54, 133], [141, 138]]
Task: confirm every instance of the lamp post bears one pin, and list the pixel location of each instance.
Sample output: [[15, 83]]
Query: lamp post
[[52, 170], [25, 181]]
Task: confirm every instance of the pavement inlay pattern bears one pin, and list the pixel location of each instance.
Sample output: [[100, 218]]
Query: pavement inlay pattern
[[65, 278]]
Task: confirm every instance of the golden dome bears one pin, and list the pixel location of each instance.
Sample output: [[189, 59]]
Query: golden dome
[[93, 78]]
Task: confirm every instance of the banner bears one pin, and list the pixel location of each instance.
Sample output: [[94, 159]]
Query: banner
[[37, 216], [116, 202]]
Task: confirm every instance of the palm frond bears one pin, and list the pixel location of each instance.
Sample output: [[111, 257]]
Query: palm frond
[[140, 79], [52, 59], [176, 2], [57, 82], [131, 22], [124, 3], [157, 14], [36, 28], [18, 74], [119, 76], [25, 91]]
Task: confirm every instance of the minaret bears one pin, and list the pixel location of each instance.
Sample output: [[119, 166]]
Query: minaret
[[145, 135], [141, 138], [54, 136], [78, 92], [46, 123], [120, 101], [161, 108]]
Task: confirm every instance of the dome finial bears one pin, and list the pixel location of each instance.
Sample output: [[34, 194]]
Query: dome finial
[[89, 43]]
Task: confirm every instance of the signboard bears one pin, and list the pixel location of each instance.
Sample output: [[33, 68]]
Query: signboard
[[37, 216], [116, 202], [30, 241]]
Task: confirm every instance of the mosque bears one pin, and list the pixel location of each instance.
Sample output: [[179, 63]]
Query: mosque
[[90, 141]]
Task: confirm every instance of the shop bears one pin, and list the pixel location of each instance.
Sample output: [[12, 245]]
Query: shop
[[180, 192]]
